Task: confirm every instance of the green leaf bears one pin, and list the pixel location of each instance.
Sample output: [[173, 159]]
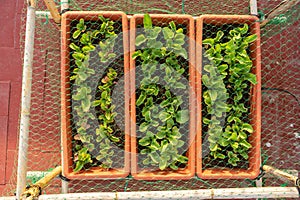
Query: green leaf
[[164, 116], [149, 134], [82, 76], [144, 127], [111, 55], [170, 123], [104, 95], [243, 30], [173, 166], [179, 85], [168, 33], [85, 38], [247, 127], [161, 134], [86, 48], [114, 139], [155, 145], [74, 47], [164, 145], [205, 120], [179, 38], [205, 80], [146, 161], [162, 164], [144, 151], [86, 104], [180, 30], [251, 38], [221, 156], [223, 142], [233, 136], [141, 99], [140, 39], [148, 116], [251, 78], [246, 144], [136, 54], [173, 141], [152, 34], [180, 143], [145, 141], [80, 24], [147, 21], [102, 18], [182, 52], [79, 166], [182, 116], [165, 103], [222, 67], [172, 25], [182, 159], [244, 155], [209, 41], [154, 157], [168, 94], [208, 68], [213, 95], [219, 35], [235, 145], [76, 34], [168, 70], [242, 135], [156, 45], [78, 56]]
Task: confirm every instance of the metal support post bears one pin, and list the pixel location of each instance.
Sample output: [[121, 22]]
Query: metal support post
[[25, 100]]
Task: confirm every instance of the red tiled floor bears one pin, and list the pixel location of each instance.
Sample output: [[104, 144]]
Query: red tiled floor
[[3, 144], [10, 63], [4, 102], [11, 162], [14, 108], [10, 86], [4, 97]]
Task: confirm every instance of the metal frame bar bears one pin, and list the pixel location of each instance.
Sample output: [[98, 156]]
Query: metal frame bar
[[25, 100], [221, 193], [253, 7]]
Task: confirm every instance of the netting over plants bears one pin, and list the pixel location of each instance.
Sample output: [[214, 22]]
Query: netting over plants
[[157, 95]]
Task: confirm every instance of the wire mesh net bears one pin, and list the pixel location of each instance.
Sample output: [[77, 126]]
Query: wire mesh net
[[164, 101]]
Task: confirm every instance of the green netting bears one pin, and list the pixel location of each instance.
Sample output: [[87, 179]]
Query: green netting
[[174, 66]]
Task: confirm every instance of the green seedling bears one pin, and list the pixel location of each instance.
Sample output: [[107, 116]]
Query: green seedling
[[162, 146], [84, 43], [228, 76]]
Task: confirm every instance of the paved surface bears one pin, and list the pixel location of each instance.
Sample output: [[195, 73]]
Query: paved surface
[[10, 85]]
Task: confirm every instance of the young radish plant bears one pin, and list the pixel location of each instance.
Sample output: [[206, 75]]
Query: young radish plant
[[84, 42], [162, 140], [226, 82]]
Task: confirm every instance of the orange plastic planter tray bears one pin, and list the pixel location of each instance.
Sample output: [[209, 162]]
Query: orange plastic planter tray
[[255, 101], [168, 174], [66, 124]]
